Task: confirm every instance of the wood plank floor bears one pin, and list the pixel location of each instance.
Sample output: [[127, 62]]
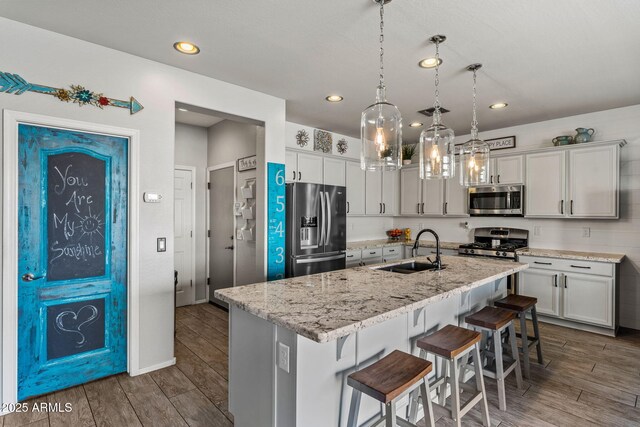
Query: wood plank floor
[[586, 380]]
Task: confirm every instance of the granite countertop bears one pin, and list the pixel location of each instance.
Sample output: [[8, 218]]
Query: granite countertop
[[367, 244], [326, 306], [576, 255]]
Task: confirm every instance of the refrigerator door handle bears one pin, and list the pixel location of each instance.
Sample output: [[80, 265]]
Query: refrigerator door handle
[[328, 206], [322, 220], [326, 258]]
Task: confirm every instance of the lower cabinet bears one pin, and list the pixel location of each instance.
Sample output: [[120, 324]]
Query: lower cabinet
[[371, 256], [392, 253], [565, 292], [354, 258]]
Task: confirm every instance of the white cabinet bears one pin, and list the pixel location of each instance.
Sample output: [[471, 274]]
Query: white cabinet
[[578, 292], [301, 167], [545, 185], [410, 191], [380, 193], [354, 258], [573, 183], [392, 253], [355, 189], [507, 170], [543, 285], [334, 172], [593, 182], [432, 197], [371, 256]]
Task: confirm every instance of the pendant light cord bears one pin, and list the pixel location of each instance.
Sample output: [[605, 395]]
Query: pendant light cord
[[474, 121], [436, 104], [381, 43]]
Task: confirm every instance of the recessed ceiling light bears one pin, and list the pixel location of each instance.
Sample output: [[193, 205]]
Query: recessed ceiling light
[[182, 109], [415, 124], [498, 105], [186, 47], [429, 62], [334, 98]]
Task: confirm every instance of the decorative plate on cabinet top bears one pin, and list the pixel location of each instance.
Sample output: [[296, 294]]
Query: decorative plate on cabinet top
[[342, 146], [302, 138]]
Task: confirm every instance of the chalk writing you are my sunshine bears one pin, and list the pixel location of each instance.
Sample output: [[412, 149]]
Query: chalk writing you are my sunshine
[[79, 226]]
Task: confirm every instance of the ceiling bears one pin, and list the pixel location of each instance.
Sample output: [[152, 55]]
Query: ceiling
[[196, 119], [546, 58]]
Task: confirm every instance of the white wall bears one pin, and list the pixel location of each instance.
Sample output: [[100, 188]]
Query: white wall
[[191, 150], [52, 59], [229, 141], [618, 236]]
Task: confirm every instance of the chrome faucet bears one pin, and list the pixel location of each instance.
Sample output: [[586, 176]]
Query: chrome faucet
[[414, 251]]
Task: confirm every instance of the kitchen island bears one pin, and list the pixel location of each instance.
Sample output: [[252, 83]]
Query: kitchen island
[[293, 342]]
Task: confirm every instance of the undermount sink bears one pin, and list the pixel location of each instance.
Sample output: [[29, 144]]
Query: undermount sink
[[410, 267]]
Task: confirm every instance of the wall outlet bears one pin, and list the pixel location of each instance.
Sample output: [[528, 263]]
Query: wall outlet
[[283, 357], [586, 232], [420, 226], [536, 230]]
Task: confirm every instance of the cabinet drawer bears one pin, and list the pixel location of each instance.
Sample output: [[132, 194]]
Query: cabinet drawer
[[569, 265], [371, 253], [391, 250]]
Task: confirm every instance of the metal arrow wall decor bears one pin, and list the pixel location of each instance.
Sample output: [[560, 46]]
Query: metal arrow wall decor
[[13, 83]]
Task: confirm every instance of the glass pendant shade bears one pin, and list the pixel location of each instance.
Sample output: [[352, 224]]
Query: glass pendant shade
[[437, 155], [381, 135], [474, 162]]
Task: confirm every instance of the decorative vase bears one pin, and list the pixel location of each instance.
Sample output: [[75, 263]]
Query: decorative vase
[[406, 162], [583, 135], [562, 140]]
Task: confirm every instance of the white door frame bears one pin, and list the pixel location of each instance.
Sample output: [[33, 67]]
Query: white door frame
[[9, 367], [208, 213], [191, 169]]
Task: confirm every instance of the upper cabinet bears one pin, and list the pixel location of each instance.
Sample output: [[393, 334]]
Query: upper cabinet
[[507, 170], [355, 189], [431, 197], [302, 167], [334, 172], [573, 183], [381, 192]]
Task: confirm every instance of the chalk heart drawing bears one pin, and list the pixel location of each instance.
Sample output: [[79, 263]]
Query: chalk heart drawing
[[69, 322]]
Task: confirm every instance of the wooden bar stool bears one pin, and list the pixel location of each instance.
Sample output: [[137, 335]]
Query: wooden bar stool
[[521, 304], [388, 380], [494, 321], [453, 345]]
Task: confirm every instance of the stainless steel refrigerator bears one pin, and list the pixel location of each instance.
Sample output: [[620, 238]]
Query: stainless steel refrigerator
[[316, 229]]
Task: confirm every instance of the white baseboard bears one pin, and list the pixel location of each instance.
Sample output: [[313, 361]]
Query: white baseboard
[[201, 301], [166, 364]]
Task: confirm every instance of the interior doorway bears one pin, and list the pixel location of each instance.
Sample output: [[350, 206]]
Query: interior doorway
[[222, 260], [184, 242]]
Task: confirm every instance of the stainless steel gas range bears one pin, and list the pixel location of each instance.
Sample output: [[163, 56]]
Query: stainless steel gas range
[[496, 242]]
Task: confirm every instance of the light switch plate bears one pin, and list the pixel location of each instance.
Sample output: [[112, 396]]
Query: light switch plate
[[283, 357], [152, 197], [536, 230], [586, 232], [162, 244]]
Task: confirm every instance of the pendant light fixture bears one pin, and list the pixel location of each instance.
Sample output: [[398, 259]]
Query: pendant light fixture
[[437, 154], [474, 156], [381, 123]]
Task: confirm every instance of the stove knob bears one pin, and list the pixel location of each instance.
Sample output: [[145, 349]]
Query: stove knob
[[471, 251], [504, 254], [498, 253]]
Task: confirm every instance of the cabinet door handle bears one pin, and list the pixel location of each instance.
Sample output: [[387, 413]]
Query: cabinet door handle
[[498, 179], [561, 207], [384, 208], [372, 253], [555, 280], [350, 256], [294, 175], [446, 208], [299, 176], [348, 207], [565, 282], [423, 208], [379, 208], [543, 263], [418, 208], [580, 266], [571, 207], [491, 179]]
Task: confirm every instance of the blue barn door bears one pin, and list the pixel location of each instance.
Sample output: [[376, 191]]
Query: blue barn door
[[72, 258]]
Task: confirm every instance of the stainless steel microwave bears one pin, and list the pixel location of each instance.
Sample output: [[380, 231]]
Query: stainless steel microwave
[[498, 200]]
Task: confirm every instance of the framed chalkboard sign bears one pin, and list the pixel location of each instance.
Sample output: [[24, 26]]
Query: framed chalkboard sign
[[76, 215]]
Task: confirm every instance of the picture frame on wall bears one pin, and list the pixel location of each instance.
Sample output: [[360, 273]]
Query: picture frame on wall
[[503, 143]]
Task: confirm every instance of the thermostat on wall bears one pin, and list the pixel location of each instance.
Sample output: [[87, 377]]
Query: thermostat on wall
[[152, 197]]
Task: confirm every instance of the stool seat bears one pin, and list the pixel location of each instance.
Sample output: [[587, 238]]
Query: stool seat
[[517, 303], [449, 341], [491, 318], [390, 376]]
